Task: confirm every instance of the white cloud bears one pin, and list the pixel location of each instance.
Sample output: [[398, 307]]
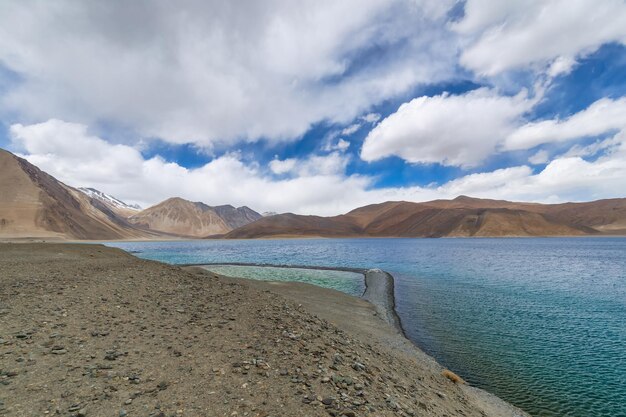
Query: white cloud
[[458, 130], [317, 185], [347, 131], [503, 35], [464, 130], [600, 117], [213, 72], [541, 157], [371, 117], [561, 66], [83, 155], [331, 164], [342, 145], [283, 166], [563, 179], [595, 147], [330, 145]]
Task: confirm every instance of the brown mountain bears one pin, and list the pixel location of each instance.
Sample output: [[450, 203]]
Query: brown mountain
[[463, 216], [192, 219], [35, 204], [236, 217]]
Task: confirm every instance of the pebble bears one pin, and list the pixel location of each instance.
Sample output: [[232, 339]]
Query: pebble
[[357, 366]]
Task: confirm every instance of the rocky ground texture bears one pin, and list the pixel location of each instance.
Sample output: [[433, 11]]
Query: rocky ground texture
[[92, 331]]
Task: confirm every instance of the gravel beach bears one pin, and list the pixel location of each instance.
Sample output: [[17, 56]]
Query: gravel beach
[[87, 330]]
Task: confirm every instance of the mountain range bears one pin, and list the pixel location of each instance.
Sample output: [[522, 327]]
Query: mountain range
[[185, 218], [35, 204], [461, 217]]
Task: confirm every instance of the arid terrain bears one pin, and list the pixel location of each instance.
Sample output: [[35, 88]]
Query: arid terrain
[[192, 219], [92, 331], [461, 217], [33, 204]]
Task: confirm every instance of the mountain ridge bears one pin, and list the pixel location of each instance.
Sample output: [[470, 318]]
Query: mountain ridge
[[192, 219], [35, 204], [460, 217]]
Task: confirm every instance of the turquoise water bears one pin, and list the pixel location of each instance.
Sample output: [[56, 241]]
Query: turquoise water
[[349, 282], [538, 322]]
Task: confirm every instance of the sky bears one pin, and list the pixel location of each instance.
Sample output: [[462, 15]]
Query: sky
[[319, 106]]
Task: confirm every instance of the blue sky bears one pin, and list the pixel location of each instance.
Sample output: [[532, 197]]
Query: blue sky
[[319, 107]]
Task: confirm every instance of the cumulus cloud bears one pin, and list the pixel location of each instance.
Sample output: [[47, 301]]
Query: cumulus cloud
[[458, 130], [548, 34], [213, 72], [315, 185], [278, 166], [463, 130], [313, 165], [81, 154], [600, 117], [546, 37]]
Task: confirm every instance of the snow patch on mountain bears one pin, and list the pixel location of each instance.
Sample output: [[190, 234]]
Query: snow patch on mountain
[[110, 200]]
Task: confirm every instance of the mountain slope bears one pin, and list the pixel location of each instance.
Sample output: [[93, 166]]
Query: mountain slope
[[118, 206], [461, 217], [35, 204], [192, 219], [236, 217]]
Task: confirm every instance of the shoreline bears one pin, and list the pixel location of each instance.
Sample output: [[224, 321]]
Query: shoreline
[[88, 329], [357, 315], [380, 295], [379, 286]]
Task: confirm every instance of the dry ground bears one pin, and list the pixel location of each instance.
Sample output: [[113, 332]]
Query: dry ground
[[92, 331]]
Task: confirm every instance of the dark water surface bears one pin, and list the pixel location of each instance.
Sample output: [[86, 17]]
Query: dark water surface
[[539, 322]]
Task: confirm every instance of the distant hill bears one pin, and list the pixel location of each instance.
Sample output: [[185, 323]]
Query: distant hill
[[236, 217], [35, 204], [192, 219], [461, 217]]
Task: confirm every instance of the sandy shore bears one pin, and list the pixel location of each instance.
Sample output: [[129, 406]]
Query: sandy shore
[[87, 330]]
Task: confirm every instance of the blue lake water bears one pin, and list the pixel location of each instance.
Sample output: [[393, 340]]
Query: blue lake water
[[539, 322]]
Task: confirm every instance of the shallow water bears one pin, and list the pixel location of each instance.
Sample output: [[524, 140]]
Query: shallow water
[[538, 322], [349, 282]]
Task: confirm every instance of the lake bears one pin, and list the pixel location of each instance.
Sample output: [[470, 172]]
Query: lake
[[540, 322]]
